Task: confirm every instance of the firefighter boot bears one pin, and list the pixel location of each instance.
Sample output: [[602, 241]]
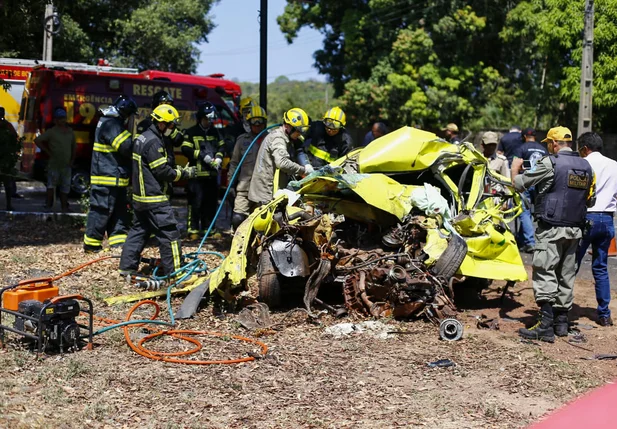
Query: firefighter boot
[[543, 329], [560, 322]]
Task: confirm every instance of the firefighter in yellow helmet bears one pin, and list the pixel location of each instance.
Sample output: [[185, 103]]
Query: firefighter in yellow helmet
[[152, 172], [277, 153], [246, 104], [257, 119], [328, 139]]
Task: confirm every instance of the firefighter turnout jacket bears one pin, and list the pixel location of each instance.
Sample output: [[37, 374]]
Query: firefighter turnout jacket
[[174, 140], [274, 153], [152, 171], [323, 149], [199, 142], [111, 156]]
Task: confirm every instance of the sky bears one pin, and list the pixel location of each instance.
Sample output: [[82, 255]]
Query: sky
[[233, 45]]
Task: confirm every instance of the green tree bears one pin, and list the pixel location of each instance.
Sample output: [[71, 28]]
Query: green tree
[[481, 64], [158, 34]]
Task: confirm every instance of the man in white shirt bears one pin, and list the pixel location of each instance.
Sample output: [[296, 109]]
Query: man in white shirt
[[601, 229]]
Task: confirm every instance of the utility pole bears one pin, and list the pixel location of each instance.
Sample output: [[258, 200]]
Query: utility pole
[[48, 33], [263, 54], [585, 102]]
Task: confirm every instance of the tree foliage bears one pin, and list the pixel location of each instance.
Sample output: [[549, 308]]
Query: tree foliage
[[283, 94], [157, 34], [480, 64]]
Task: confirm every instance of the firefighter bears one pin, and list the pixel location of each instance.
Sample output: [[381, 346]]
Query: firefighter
[[109, 177], [243, 126], [204, 149], [257, 119], [274, 159], [176, 138], [328, 139], [153, 212]]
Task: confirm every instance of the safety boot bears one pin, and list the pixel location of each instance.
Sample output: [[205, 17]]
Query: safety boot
[[560, 322], [543, 329]]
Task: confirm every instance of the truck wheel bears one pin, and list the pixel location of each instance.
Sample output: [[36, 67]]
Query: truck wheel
[[80, 182], [269, 281], [451, 259]]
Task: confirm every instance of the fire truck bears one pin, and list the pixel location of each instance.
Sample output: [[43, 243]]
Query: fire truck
[[83, 90]]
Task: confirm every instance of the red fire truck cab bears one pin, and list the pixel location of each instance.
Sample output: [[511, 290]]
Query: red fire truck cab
[[83, 92]]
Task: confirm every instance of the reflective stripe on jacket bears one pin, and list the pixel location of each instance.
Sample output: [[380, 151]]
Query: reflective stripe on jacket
[[151, 170], [111, 153]]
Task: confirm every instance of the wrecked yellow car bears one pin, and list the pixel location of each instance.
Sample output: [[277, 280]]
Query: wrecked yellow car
[[389, 227]]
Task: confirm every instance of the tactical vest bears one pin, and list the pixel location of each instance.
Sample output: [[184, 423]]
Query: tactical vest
[[564, 204]]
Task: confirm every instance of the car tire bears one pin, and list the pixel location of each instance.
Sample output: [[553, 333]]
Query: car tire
[[269, 281], [451, 259]]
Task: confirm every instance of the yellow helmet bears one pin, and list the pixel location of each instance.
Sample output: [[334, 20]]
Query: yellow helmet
[[298, 119], [257, 112], [335, 118], [166, 113], [245, 104]]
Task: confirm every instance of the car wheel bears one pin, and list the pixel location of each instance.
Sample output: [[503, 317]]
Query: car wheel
[[451, 259], [80, 182], [269, 281]]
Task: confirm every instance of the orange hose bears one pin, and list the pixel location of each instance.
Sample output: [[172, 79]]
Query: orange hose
[[181, 334]]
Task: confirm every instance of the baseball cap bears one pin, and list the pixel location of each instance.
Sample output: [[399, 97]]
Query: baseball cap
[[59, 113], [450, 127], [529, 132], [490, 137], [559, 133]]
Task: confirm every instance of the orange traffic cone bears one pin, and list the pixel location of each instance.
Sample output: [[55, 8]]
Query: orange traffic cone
[[612, 249]]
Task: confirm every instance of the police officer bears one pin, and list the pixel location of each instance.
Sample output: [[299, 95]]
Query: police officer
[[109, 177], [153, 212], [204, 149], [526, 157], [176, 138], [257, 119], [328, 139], [274, 161], [565, 186]]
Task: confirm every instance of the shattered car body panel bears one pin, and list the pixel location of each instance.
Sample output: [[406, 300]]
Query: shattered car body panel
[[399, 202]]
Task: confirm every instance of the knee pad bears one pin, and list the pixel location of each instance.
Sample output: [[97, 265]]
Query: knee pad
[[237, 219]]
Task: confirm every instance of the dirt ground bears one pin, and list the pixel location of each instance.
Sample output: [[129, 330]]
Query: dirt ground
[[308, 378]]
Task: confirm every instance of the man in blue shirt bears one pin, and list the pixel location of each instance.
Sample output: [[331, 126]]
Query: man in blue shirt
[[509, 143]]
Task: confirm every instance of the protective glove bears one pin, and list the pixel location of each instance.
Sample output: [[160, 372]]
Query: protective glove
[[207, 159], [308, 169], [216, 164], [189, 172]]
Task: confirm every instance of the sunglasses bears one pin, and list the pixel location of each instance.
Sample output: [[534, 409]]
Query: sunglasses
[[332, 124], [257, 121]]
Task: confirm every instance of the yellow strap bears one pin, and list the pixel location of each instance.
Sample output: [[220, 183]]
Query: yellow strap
[[321, 154], [157, 163], [120, 138], [99, 147], [150, 199], [175, 250], [108, 181], [92, 241], [117, 239], [188, 144], [136, 157], [196, 154], [178, 174]]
